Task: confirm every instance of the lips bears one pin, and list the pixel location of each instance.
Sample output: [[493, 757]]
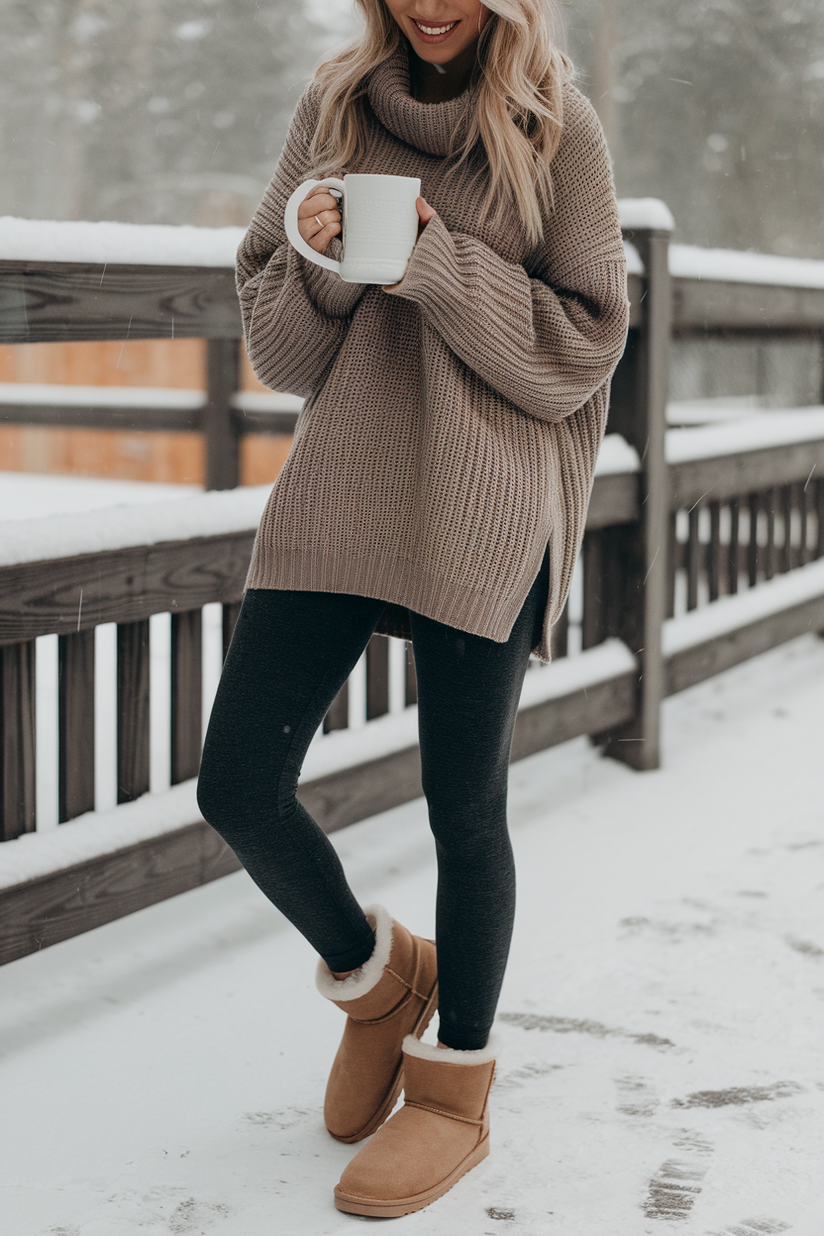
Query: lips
[[435, 38]]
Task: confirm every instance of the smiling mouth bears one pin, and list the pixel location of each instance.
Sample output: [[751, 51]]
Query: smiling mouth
[[434, 29]]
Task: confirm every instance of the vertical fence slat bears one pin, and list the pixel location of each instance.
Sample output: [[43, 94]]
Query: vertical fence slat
[[337, 718], [714, 552], [693, 557], [817, 541], [231, 609], [772, 503], [796, 501], [753, 555], [785, 558], [17, 794], [733, 554], [377, 677], [411, 692], [75, 756], [132, 710], [559, 636], [807, 514], [673, 562], [592, 622], [187, 694], [219, 425]]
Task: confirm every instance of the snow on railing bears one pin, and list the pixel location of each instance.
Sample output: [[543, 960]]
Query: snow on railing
[[149, 244], [129, 244], [760, 431], [121, 527], [737, 266]]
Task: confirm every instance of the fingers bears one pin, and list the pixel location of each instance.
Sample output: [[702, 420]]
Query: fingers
[[425, 211], [318, 218]]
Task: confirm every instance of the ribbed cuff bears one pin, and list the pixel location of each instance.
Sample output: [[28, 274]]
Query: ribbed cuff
[[432, 268], [333, 297]]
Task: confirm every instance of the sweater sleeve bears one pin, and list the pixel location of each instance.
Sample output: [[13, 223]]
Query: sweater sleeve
[[295, 314], [546, 334]]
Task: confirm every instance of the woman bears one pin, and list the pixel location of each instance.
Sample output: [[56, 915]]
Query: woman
[[436, 489]]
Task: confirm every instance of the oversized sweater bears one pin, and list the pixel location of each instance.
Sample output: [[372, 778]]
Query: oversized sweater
[[450, 428]]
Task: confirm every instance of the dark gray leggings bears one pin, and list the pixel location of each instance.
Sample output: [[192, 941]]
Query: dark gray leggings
[[290, 655]]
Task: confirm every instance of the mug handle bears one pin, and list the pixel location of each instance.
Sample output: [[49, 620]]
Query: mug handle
[[290, 222]]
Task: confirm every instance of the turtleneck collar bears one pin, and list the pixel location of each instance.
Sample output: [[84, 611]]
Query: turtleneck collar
[[428, 126]]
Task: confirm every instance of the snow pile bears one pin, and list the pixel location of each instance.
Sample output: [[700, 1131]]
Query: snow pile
[[132, 244], [735, 266], [683, 412], [120, 527], [645, 212], [616, 455], [346, 748], [29, 495], [98, 832], [266, 401], [759, 432], [730, 614], [635, 265], [580, 673], [72, 396]]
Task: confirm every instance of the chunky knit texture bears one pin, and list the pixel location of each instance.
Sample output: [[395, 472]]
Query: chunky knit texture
[[450, 428]]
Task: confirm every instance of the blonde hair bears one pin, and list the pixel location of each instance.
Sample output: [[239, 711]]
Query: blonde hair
[[515, 104]]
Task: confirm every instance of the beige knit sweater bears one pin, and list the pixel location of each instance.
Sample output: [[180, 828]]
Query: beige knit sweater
[[449, 429]]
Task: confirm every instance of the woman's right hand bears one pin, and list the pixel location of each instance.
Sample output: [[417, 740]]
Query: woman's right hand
[[318, 202]]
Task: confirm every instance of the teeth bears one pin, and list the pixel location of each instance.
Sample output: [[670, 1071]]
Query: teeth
[[435, 29]]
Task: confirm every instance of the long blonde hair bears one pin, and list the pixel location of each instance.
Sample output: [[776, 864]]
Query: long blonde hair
[[516, 117]]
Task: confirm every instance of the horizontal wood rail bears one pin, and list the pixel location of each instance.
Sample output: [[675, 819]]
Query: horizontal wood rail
[[712, 656], [123, 585], [705, 306], [745, 471], [48, 302]]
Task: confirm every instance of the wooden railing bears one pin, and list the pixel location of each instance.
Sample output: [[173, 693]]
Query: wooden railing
[[681, 525]]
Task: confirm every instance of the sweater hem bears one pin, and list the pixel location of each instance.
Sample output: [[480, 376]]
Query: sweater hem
[[396, 581]]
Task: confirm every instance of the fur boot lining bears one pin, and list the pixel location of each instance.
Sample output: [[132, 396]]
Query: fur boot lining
[[366, 976], [449, 1055]]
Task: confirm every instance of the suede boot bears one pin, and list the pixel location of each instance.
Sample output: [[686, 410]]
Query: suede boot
[[441, 1132], [392, 995]]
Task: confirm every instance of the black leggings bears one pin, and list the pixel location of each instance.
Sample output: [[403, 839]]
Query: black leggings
[[289, 657]]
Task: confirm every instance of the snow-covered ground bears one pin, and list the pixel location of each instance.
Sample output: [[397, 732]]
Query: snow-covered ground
[[662, 1068]]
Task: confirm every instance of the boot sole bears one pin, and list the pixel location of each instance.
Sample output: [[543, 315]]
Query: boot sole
[[426, 1015], [407, 1205]]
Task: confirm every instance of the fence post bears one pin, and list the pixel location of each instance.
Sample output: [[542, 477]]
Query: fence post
[[634, 556], [17, 800], [219, 427]]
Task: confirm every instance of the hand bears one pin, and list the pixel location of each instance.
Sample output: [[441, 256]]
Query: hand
[[318, 202], [425, 213]]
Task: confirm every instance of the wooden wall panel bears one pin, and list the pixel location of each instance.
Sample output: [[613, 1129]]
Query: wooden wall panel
[[175, 458], [107, 362]]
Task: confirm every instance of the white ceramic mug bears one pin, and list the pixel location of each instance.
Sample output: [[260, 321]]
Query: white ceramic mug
[[380, 225]]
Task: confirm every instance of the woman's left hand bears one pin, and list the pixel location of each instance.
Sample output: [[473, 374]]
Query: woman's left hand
[[425, 213]]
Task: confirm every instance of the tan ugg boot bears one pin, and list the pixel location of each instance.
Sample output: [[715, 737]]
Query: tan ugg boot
[[441, 1132], [392, 995]]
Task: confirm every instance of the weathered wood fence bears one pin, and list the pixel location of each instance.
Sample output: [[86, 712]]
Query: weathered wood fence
[[703, 547]]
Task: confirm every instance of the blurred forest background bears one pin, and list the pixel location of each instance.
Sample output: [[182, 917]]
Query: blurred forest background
[[174, 111]]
